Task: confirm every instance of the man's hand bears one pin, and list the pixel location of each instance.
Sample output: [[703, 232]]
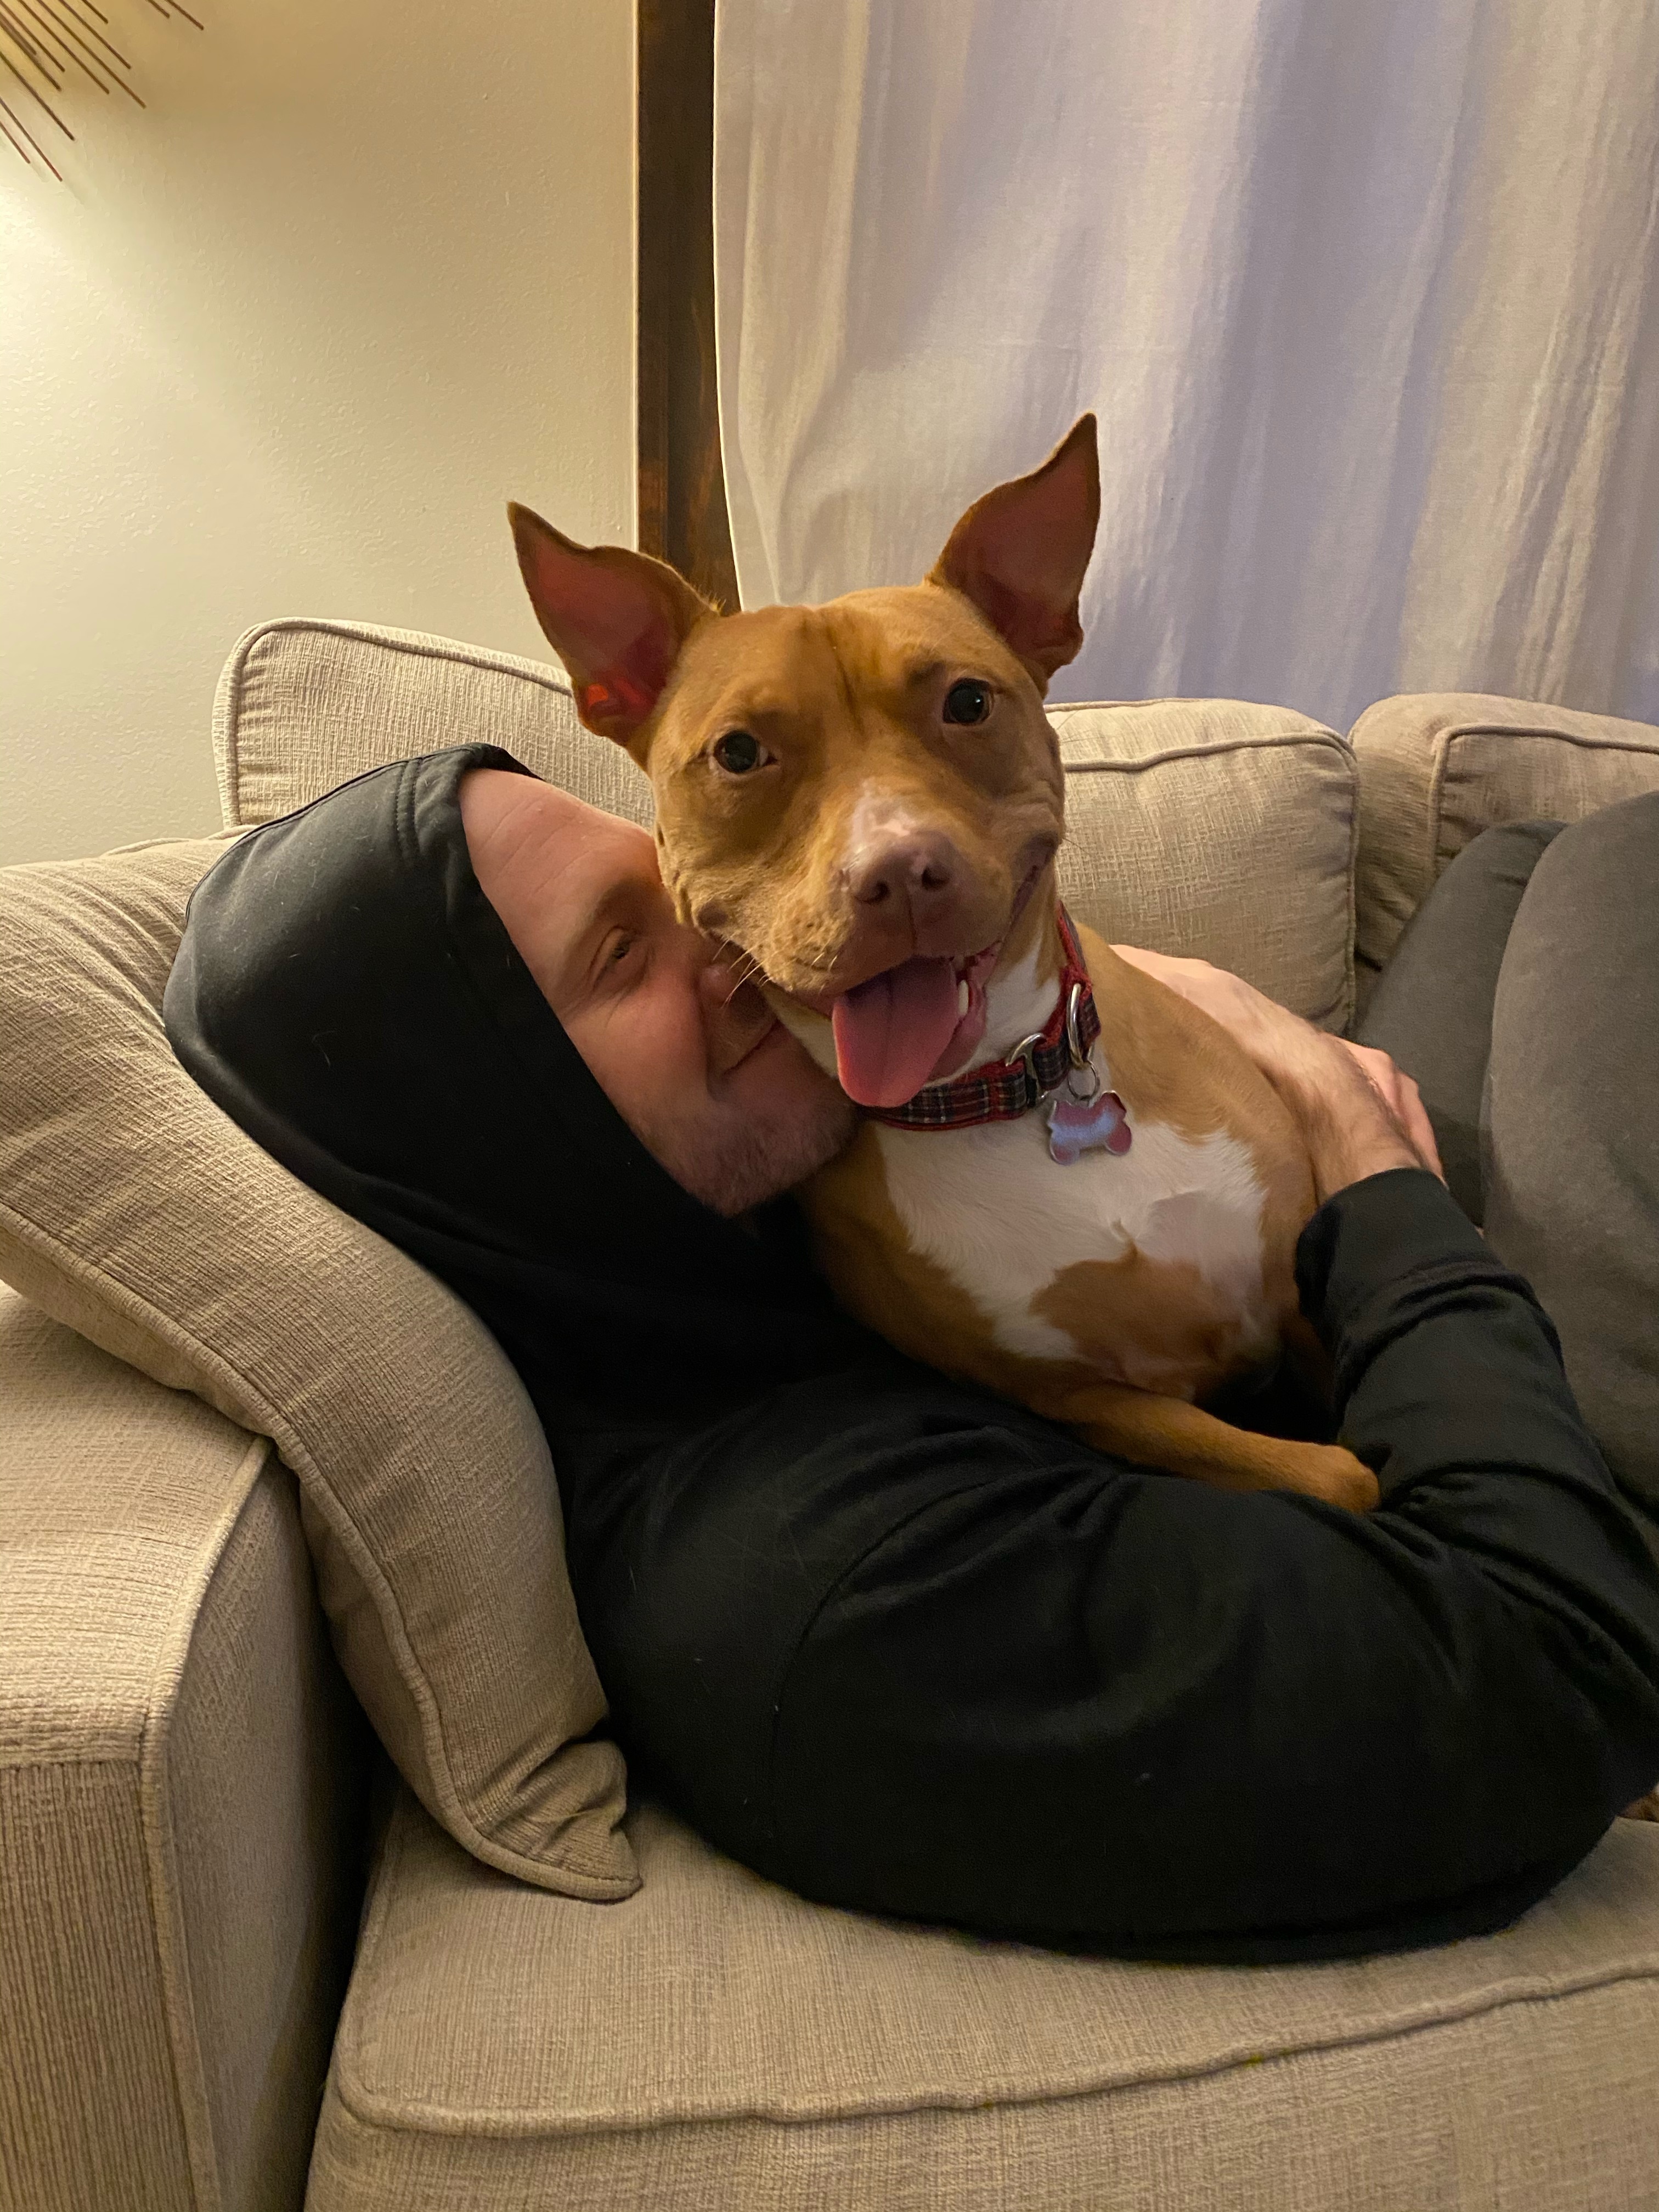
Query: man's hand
[[1359, 1114]]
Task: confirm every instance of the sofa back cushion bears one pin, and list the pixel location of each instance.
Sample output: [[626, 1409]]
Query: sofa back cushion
[[1436, 768], [133, 1210], [1208, 827], [1220, 830]]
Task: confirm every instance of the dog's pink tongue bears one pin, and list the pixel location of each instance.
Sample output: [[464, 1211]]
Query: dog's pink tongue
[[891, 1032]]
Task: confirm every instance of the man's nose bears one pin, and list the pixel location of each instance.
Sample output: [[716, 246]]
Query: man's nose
[[920, 870]]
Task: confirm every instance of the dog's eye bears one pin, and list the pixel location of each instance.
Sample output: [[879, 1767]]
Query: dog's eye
[[967, 702], [737, 752]]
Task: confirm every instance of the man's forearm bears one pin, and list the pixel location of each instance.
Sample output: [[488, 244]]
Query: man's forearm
[[1449, 1385], [924, 1653], [1252, 1727]]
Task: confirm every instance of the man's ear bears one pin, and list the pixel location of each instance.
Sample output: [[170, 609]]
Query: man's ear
[[1019, 553], [615, 618]]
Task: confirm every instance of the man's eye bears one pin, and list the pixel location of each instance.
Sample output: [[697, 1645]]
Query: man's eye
[[739, 751], [967, 701], [619, 951]]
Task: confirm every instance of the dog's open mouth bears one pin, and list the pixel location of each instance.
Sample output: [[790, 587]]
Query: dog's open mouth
[[920, 1022], [910, 1025]]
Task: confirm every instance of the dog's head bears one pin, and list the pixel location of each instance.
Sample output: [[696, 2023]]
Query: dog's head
[[864, 796]]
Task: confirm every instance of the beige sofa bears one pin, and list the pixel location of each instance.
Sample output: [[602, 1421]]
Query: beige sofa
[[192, 2012]]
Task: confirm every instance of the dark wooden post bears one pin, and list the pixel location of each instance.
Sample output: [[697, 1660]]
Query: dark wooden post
[[683, 517]]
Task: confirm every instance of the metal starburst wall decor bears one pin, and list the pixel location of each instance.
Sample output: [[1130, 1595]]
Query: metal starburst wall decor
[[47, 47]]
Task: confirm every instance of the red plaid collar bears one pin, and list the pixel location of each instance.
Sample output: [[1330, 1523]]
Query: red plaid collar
[[1008, 1088]]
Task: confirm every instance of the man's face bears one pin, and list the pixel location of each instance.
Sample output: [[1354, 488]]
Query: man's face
[[693, 1059]]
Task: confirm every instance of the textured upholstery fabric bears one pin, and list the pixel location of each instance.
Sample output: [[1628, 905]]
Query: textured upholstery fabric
[[715, 2042], [303, 705], [1219, 830], [1201, 826], [1436, 768], [132, 1209], [179, 1875]]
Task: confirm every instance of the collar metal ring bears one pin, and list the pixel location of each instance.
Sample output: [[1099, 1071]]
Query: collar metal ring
[[1073, 1036]]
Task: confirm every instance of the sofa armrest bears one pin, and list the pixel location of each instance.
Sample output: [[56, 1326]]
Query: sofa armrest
[[181, 1804], [1436, 768]]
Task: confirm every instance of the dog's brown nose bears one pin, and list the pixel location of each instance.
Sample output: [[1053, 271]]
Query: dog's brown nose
[[919, 869]]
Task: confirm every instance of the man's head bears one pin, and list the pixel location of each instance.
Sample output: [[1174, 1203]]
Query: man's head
[[690, 1055]]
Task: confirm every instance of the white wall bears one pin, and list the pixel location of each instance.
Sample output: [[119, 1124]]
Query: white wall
[[286, 343]]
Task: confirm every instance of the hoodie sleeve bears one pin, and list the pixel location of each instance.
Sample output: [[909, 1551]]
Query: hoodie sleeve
[[1073, 1702]]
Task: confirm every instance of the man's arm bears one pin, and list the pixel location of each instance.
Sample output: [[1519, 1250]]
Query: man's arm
[[1066, 1701], [1359, 1115], [908, 1649]]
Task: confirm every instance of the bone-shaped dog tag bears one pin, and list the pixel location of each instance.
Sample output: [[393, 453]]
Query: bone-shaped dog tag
[[1100, 1123]]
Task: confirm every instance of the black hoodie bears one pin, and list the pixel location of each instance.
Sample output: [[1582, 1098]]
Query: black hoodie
[[889, 1640]]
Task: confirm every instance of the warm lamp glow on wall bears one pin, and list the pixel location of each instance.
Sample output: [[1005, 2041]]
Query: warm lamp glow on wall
[[49, 47]]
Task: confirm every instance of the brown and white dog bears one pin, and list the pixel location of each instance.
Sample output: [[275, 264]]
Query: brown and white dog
[[867, 797]]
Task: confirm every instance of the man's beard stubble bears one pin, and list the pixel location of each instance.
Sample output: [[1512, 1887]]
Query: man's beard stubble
[[758, 1158]]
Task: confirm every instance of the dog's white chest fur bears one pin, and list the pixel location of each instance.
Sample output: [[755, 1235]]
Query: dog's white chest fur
[[993, 1209], [1003, 1218]]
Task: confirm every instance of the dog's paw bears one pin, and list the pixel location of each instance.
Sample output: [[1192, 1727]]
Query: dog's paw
[[1340, 1478]]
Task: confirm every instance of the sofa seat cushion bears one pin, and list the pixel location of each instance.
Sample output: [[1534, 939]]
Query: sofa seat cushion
[[714, 2041], [1206, 827]]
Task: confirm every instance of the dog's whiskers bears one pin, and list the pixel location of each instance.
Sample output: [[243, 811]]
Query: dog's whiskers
[[745, 970]]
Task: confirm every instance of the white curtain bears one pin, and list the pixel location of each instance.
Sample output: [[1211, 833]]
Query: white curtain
[[1364, 293]]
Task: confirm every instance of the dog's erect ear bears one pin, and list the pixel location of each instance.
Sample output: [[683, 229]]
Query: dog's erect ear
[[1019, 553], [615, 618]]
